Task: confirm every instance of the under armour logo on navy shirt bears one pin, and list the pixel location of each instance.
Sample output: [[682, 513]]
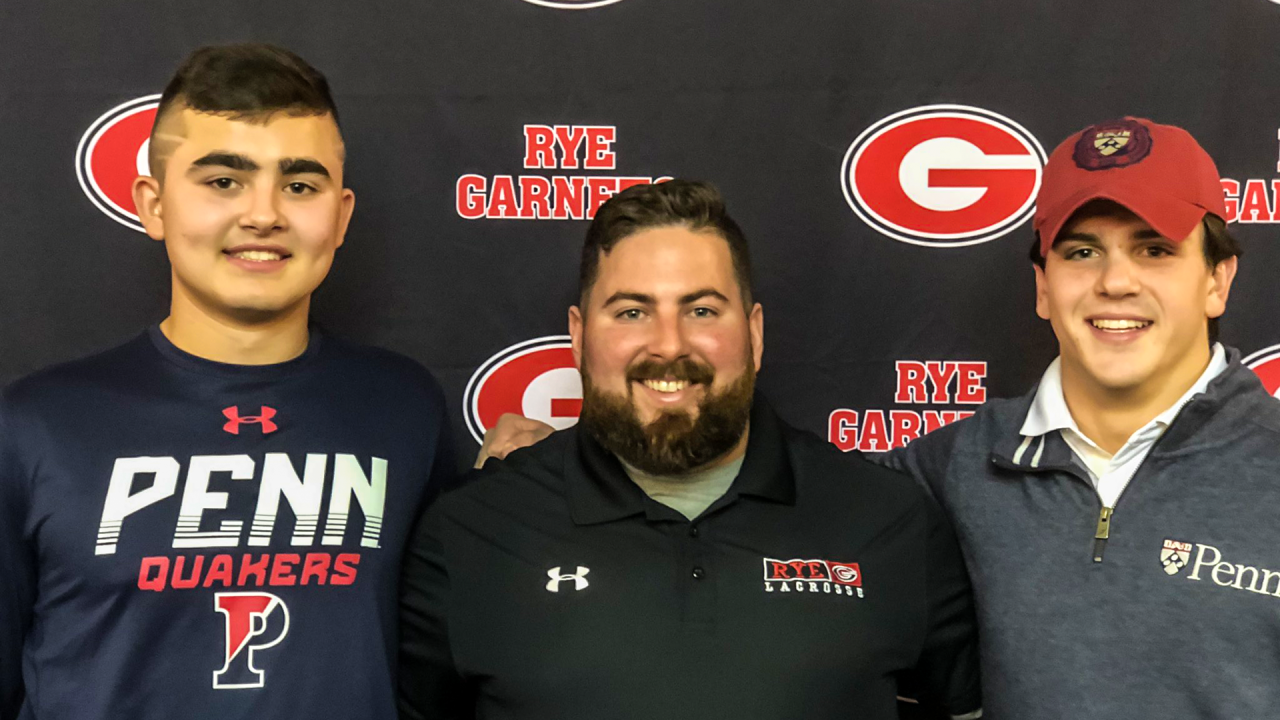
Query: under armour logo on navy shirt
[[263, 418], [579, 578]]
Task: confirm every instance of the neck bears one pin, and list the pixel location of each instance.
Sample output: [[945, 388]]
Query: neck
[[195, 329], [1110, 416]]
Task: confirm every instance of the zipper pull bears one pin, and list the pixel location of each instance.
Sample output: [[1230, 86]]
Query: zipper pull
[[1103, 532]]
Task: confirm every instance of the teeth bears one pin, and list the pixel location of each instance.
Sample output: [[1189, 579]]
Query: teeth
[[1120, 324], [666, 386], [257, 255]]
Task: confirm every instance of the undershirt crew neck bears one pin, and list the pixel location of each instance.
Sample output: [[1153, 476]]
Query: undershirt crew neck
[[690, 494]]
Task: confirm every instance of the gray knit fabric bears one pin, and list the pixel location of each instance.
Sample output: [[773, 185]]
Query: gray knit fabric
[[1180, 619]]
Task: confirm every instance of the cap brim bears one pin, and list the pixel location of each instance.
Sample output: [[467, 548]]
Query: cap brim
[[1172, 217]]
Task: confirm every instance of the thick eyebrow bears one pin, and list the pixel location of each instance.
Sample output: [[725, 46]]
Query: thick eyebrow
[[685, 299], [1090, 238], [1077, 237], [703, 293], [632, 296], [221, 158], [300, 166]]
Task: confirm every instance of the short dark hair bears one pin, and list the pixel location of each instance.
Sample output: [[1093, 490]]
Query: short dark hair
[[1218, 245], [695, 205], [247, 81]]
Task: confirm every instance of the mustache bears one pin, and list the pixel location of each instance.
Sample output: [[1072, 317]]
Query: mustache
[[685, 369]]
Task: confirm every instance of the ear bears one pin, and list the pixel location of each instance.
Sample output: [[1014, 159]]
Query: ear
[[348, 205], [146, 199], [1223, 275], [755, 322], [575, 335], [1042, 292]]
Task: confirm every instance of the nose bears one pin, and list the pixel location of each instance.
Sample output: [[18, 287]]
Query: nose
[[262, 214], [668, 340], [1119, 277]]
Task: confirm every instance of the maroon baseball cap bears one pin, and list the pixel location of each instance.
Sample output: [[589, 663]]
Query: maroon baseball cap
[[1157, 171]]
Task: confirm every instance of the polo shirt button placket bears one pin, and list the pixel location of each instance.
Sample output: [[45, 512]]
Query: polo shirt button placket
[[699, 602]]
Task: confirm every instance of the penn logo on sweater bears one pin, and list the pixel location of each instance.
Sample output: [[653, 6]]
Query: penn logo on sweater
[[1210, 565], [1175, 555]]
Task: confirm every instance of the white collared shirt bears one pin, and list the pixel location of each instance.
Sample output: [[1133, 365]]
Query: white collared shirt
[[1109, 473]]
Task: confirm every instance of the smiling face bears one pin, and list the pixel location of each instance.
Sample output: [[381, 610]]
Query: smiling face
[[667, 348], [251, 212], [1130, 308]]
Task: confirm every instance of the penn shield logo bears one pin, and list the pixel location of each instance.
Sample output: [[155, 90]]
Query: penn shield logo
[[572, 4], [536, 378], [1266, 364], [112, 152], [1118, 143], [255, 621], [1175, 555], [943, 175]]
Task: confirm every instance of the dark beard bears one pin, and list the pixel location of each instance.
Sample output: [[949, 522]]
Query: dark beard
[[674, 442]]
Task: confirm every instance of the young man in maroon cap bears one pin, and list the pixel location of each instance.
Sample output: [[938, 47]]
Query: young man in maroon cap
[[1118, 520]]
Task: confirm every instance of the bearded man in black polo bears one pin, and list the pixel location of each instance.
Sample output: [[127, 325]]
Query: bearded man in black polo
[[682, 552]]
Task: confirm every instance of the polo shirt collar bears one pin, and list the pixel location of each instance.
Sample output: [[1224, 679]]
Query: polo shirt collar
[[1049, 407], [599, 490], [766, 470], [1049, 410]]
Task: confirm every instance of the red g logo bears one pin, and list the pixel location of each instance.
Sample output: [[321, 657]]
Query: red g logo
[[1266, 363], [255, 621], [846, 573], [943, 175], [535, 378], [112, 152]]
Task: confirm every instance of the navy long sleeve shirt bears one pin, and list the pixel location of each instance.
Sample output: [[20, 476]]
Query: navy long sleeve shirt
[[181, 538]]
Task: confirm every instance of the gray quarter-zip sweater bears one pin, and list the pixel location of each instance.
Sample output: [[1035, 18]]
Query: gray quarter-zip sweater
[[1170, 608]]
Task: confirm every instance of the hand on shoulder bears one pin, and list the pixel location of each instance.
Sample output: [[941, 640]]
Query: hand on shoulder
[[511, 432]]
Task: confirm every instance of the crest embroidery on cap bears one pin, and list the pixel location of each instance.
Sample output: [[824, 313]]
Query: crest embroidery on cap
[[1112, 144]]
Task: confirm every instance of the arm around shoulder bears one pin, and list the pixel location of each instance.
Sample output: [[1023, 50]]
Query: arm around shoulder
[[926, 458]]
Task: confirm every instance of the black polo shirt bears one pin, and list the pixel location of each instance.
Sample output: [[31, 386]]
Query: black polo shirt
[[551, 587]]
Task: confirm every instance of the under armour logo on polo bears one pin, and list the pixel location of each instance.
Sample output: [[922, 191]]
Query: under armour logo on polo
[[579, 578], [263, 418]]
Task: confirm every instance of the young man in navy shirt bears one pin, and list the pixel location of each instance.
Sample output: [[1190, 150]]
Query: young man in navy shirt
[[208, 521]]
